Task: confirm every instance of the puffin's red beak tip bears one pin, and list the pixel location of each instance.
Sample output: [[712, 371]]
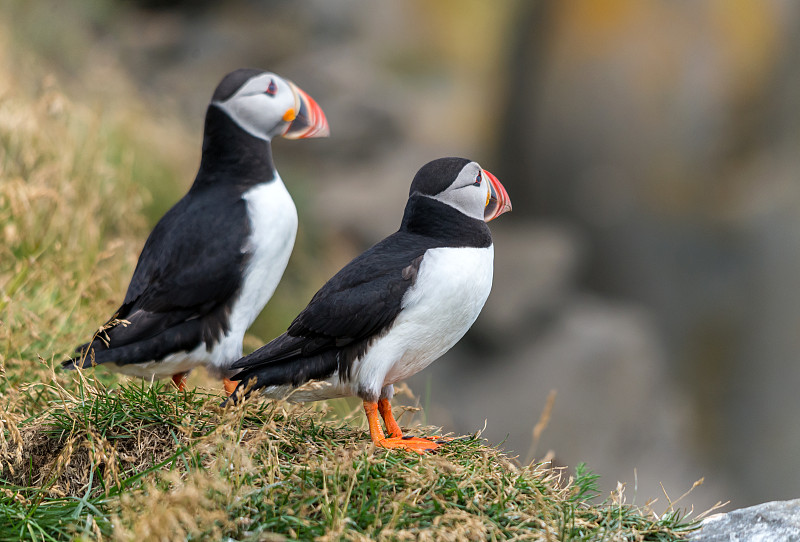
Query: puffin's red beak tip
[[499, 202], [310, 120]]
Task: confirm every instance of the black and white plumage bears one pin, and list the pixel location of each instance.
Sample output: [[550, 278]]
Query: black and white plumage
[[398, 306], [215, 258]]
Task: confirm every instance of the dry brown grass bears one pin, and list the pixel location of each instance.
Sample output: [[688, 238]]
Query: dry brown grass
[[71, 203]]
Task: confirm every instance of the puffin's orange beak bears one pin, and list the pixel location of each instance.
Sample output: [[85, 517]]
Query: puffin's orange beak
[[498, 202], [306, 119]]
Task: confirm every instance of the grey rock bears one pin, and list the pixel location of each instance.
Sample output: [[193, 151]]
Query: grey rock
[[769, 522], [540, 261], [618, 408], [707, 247]]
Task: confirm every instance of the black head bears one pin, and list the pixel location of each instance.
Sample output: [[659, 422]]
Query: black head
[[435, 176], [233, 82], [463, 185], [265, 105]]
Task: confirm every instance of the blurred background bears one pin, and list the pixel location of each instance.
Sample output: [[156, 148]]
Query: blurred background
[[651, 149]]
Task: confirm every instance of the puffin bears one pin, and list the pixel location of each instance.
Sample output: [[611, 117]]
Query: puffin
[[214, 259], [394, 309]]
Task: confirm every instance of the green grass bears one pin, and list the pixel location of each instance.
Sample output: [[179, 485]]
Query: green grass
[[94, 457], [140, 461]]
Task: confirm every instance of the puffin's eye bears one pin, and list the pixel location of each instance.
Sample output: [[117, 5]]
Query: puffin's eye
[[478, 179], [272, 89]]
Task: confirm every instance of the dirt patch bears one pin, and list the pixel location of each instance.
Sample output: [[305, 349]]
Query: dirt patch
[[72, 463]]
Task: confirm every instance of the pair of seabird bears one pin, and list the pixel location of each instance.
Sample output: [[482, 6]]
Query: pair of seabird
[[215, 258]]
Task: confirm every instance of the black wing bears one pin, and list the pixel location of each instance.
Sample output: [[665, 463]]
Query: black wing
[[184, 282], [360, 302]]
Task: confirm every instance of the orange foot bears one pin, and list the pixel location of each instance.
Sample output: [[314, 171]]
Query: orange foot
[[396, 440], [413, 444], [179, 380], [230, 386]]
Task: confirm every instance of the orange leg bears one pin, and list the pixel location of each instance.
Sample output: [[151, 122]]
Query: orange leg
[[419, 445], [179, 380], [392, 427], [230, 386], [375, 429], [385, 410]]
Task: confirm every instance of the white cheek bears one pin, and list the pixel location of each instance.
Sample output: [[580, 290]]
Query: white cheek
[[257, 115], [470, 200]]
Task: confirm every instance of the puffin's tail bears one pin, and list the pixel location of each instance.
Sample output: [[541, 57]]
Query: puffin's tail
[[183, 337], [295, 372], [82, 360]]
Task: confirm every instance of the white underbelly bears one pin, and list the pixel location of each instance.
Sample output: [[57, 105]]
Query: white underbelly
[[179, 362], [314, 390], [451, 288]]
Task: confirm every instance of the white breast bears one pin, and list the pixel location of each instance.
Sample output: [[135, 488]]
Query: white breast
[[273, 219], [451, 288], [273, 222]]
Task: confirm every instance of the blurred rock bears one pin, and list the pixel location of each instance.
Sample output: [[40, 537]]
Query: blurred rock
[[771, 521], [617, 408], [667, 152], [536, 273]]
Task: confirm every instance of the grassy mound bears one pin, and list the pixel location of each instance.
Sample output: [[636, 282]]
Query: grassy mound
[[149, 462]]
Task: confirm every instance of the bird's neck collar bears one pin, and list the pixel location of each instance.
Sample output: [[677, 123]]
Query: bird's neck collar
[[432, 218], [230, 150]]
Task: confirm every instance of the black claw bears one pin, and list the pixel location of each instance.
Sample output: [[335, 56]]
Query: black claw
[[446, 440]]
